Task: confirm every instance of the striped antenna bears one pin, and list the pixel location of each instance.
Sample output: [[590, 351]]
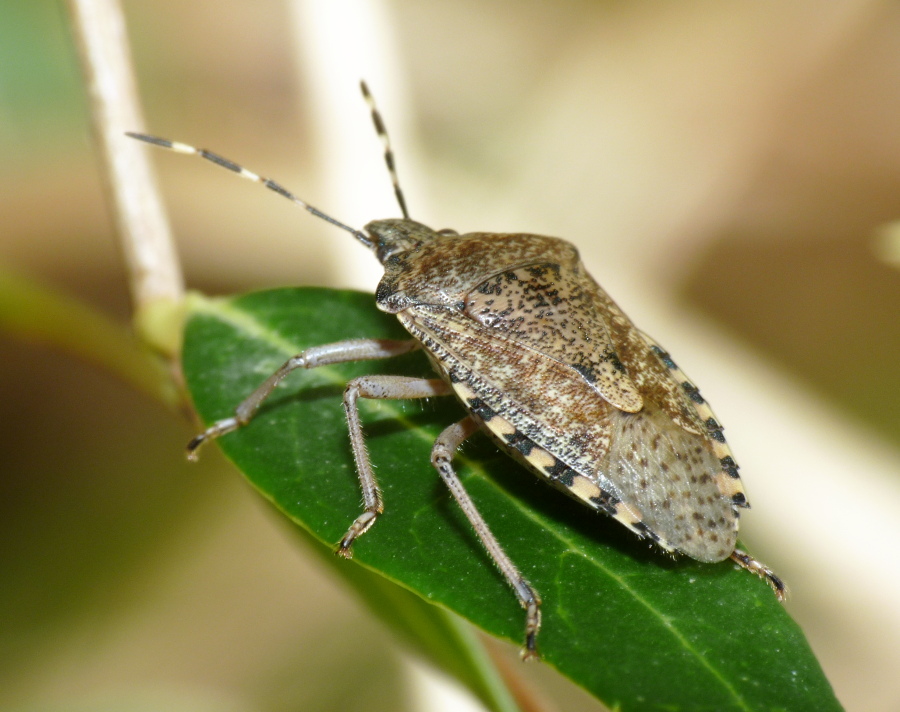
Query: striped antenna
[[388, 151], [249, 175]]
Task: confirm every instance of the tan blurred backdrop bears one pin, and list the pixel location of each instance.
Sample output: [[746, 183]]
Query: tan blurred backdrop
[[730, 172]]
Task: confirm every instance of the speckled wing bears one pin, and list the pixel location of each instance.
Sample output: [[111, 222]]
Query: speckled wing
[[651, 376], [551, 311], [518, 374], [560, 413]]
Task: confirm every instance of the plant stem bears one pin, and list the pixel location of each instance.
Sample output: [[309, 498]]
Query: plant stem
[[36, 313], [155, 279]]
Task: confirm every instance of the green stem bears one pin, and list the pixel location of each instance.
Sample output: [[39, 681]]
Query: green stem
[[34, 312]]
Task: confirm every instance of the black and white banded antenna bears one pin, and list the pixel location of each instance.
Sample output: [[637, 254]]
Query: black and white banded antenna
[[272, 185], [381, 130]]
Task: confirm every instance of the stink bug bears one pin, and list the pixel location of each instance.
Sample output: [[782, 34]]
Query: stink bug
[[549, 366]]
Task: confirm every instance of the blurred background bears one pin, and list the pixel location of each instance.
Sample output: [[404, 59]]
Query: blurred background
[[729, 171]]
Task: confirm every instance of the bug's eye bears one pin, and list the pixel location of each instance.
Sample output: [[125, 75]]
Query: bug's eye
[[447, 231]]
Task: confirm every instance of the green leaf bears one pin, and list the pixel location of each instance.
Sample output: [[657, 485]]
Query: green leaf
[[636, 628]]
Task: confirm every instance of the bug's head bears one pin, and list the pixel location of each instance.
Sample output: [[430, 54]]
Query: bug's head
[[395, 236]]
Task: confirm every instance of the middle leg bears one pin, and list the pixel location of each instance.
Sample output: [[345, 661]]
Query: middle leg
[[389, 387]]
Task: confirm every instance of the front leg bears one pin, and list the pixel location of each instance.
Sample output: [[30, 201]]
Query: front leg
[[326, 355]]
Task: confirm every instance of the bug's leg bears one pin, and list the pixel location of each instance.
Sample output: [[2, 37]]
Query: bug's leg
[[441, 457], [339, 352], [388, 387], [744, 560]]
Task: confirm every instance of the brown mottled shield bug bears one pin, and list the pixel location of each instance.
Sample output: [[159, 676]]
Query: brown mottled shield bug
[[547, 364]]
